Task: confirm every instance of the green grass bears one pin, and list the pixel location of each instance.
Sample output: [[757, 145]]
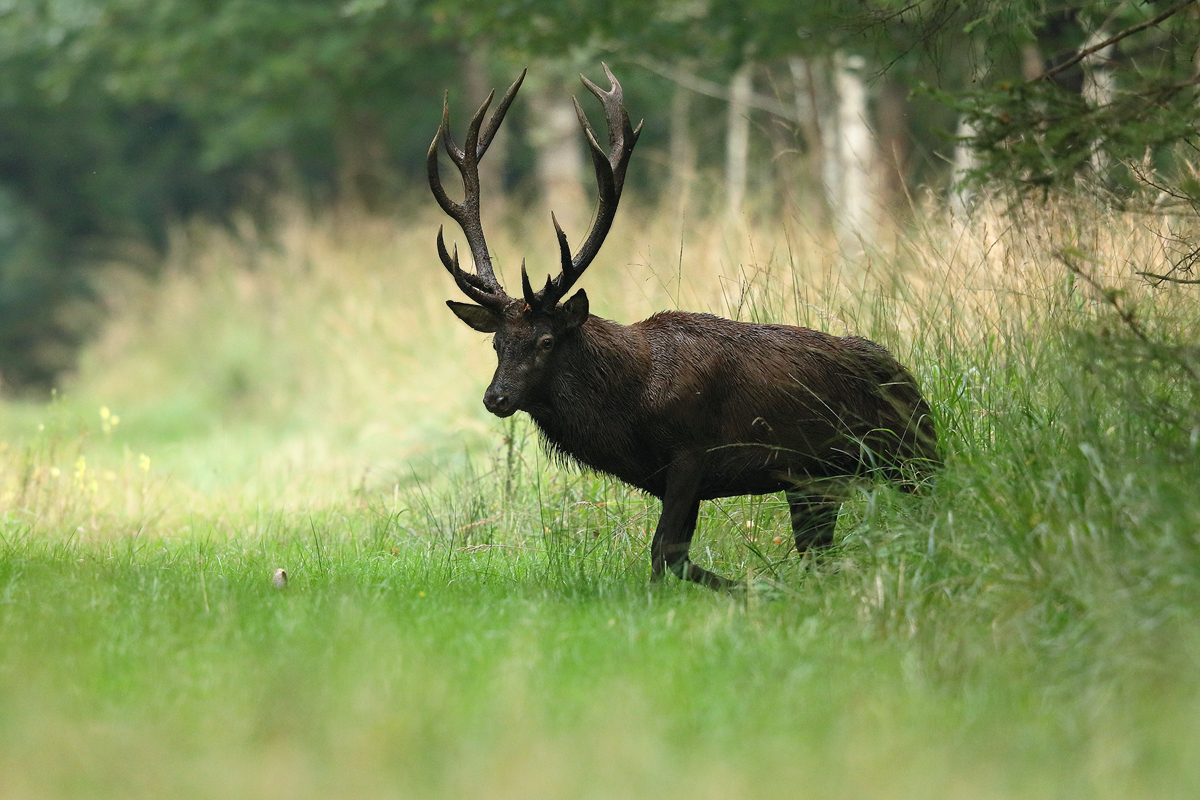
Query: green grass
[[394, 667], [465, 618]]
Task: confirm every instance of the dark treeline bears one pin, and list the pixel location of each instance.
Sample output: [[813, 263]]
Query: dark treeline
[[121, 118]]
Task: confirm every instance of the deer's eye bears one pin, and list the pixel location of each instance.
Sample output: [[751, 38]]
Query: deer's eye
[[545, 343]]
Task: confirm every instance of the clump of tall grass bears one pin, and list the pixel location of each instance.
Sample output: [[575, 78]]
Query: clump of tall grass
[[1066, 519]]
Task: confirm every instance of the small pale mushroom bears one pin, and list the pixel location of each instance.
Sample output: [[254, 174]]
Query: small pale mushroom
[[279, 579]]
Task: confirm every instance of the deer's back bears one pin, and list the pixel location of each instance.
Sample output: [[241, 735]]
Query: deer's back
[[765, 406]]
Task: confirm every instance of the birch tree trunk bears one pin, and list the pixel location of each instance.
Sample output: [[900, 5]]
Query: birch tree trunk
[[1099, 88], [831, 93], [682, 160], [832, 172], [966, 161], [737, 140], [856, 152], [962, 196], [805, 97], [477, 83], [558, 144], [809, 128]]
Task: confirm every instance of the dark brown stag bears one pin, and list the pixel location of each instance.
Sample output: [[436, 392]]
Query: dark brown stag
[[686, 407]]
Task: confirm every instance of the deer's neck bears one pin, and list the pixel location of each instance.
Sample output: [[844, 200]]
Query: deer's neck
[[589, 408]]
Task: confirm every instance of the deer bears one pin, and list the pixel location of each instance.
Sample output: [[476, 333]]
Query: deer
[[686, 407]]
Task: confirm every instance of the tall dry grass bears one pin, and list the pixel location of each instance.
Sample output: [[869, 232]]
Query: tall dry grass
[[327, 350], [321, 361]]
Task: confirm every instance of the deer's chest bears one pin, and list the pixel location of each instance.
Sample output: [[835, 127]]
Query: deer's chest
[[613, 444]]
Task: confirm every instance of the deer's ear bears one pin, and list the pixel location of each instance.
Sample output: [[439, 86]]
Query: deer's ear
[[575, 310], [478, 317]]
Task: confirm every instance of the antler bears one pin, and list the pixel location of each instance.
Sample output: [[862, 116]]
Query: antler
[[482, 287], [610, 176]]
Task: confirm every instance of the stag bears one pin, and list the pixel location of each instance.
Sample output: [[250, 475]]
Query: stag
[[685, 407]]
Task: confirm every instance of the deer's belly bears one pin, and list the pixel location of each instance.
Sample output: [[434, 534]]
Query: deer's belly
[[749, 480]]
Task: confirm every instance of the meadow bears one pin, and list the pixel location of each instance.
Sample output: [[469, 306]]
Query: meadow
[[466, 618]]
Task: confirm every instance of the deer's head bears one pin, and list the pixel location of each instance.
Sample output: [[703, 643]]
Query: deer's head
[[528, 329]]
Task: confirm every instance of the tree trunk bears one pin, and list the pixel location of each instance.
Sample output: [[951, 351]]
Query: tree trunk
[[837, 98], [810, 137], [962, 196], [737, 140], [1099, 88], [558, 143], [853, 155], [825, 99], [804, 91], [682, 160], [1032, 62], [477, 82]]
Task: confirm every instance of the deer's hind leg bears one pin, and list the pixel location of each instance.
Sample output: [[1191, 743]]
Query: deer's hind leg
[[814, 517]]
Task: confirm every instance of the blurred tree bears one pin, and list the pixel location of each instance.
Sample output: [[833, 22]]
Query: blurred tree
[[119, 117], [1094, 94], [330, 92], [78, 176], [737, 53], [1098, 90]]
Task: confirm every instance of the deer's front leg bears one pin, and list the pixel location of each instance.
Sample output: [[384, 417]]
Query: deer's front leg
[[677, 524]]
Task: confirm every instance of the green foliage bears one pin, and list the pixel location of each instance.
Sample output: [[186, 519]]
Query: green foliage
[[119, 119], [1043, 136], [81, 178], [1032, 124]]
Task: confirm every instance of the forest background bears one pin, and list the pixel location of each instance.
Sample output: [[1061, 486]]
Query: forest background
[[121, 120], [224, 351]]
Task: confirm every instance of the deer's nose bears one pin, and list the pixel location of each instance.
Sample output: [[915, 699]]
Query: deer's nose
[[499, 403]]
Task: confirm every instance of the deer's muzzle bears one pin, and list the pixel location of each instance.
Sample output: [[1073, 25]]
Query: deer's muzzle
[[499, 402]]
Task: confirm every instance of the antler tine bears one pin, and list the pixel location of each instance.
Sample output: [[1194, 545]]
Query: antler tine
[[431, 164], [527, 292], [549, 295], [610, 179], [498, 116], [473, 286], [619, 126], [466, 213], [485, 289]]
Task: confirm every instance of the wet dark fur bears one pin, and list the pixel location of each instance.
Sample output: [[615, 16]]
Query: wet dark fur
[[765, 407], [691, 407]]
